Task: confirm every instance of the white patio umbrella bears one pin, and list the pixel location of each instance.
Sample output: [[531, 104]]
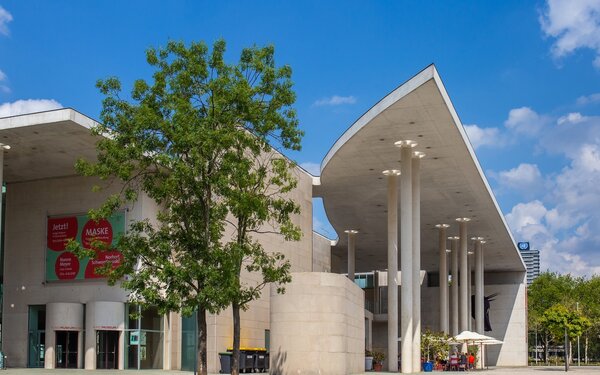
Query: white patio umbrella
[[468, 336], [476, 338]]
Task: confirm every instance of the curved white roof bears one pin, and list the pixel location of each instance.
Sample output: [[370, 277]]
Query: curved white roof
[[452, 182]]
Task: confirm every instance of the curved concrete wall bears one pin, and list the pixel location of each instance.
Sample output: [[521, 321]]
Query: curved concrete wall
[[103, 316], [317, 326], [62, 316]]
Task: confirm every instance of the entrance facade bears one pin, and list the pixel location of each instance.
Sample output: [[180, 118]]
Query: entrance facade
[[107, 350], [36, 336], [66, 349]]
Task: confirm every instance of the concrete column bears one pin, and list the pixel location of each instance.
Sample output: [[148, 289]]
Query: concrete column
[[61, 317], [479, 323], [121, 364], [392, 265], [416, 258], [454, 288], [469, 292], [463, 287], [351, 253], [4, 147], [406, 257], [443, 278]]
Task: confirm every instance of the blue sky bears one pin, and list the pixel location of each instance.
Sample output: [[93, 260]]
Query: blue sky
[[524, 77]]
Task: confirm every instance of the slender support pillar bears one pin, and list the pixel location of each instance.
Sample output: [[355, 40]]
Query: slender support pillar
[[416, 259], [351, 253], [463, 287], [479, 303], [406, 257], [443, 279], [454, 290], [469, 293], [392, 275]]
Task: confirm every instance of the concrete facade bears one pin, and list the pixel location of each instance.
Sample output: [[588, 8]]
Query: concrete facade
[[28, 204], [317, 326], [321, 253], [320, 325]]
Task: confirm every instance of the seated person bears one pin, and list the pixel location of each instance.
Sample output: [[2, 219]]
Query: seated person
[[464, 362], [454, 361]]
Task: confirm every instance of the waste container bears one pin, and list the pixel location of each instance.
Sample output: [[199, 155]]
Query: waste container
[[225, 359], [261, 361], [246, 360], [428, 366]]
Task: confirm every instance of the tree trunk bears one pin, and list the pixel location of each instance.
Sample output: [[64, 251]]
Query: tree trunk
[[570, 352], [201, 359], [236, 339], [546, 348], [585, 349]]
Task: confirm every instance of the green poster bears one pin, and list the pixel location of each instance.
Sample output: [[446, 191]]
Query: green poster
[[64, 265]]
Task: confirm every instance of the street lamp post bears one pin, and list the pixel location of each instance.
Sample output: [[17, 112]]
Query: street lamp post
[[578, 355]]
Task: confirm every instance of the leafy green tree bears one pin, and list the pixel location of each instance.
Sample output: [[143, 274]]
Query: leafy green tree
[[560, 320], [547, 290], [257, 202], [176, 140], [588, 298], [257, 195]]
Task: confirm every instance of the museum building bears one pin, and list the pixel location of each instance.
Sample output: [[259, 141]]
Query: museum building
[[422, 245]]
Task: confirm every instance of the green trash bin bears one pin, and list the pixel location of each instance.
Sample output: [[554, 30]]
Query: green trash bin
[[225, 359]]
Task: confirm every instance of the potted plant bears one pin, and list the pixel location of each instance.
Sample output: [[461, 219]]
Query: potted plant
[[378, 358], [368, 360]]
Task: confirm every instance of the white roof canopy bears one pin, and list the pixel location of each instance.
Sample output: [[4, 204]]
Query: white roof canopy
[[452, 182]]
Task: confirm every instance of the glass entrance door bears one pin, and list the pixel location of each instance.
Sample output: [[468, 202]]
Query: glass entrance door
[[107, 349], [36, 348], [36, 336], [66, 349]]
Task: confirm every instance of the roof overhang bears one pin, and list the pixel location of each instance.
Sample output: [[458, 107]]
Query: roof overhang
[[46, 144], [452, 182]]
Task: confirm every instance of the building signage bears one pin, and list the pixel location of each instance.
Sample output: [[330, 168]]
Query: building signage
[[64, 265], [523, 245], [134, 338]]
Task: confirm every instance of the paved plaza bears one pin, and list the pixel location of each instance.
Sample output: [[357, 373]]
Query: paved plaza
[[540, 370]]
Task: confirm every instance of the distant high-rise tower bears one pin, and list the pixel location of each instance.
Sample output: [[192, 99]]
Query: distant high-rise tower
[[531, 258]]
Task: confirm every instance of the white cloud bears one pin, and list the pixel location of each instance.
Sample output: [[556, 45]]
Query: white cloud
[[588, 99], [483, 136], [565, 226], [20, 107], [559, 211], [573, 131], [527, 214], [573, 25], [312, 168], [3, 88], [5, 18], [573, 118], [335, 100], [525, 178], [525, 121]]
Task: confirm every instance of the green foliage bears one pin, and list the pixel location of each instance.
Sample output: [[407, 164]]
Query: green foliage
[[197, 140], [434, 344], [547, 290], [259, 180], [556, 301], [560, 319], [378, 357]]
